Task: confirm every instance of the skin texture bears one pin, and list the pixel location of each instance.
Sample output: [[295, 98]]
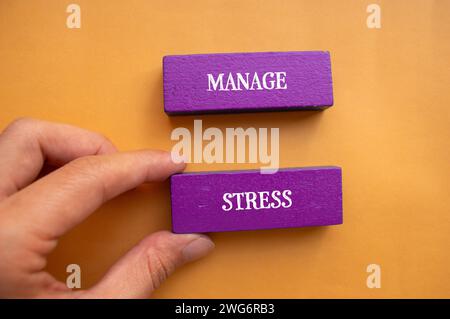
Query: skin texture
[[35, 212]]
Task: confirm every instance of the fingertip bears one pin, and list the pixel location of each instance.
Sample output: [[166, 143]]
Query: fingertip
[[179, 167], [106, 147], [191, 246], [177, 163], [177, 158], [198, 248]]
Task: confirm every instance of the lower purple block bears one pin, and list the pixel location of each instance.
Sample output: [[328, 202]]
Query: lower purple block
[[249, 200]]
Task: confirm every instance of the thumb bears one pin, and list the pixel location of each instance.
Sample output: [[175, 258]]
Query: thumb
[[147, 265]]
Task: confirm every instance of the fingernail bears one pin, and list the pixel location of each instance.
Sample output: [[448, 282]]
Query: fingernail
[[197, 248]]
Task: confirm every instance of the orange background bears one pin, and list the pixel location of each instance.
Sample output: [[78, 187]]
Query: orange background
[[389, 130]]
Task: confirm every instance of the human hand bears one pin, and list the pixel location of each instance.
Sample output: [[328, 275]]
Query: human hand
[[34, 214]]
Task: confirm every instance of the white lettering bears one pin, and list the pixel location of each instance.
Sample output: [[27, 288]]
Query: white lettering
[[215, 84], [239, 82], [257, 200]]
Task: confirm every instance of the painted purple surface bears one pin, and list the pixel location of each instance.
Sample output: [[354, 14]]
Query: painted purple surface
[[308, 78], [197, 199]]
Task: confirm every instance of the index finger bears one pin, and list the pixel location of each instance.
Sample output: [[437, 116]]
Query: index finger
[[59, 201]]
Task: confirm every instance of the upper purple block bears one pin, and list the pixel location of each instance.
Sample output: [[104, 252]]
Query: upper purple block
[[243, 82], [249, 200]]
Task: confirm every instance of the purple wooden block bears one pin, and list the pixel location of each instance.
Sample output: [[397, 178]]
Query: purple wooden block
[[248, 200], [240, 82]]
